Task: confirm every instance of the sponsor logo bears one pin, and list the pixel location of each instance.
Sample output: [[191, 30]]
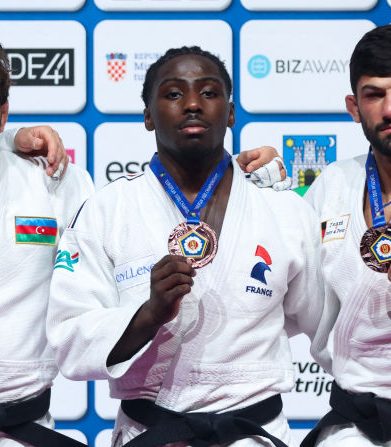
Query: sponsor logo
[[64, 260], [260, 66], [71, 155], [335, 228], [116, 66], [133, 273], [306, 156], [116, 169], [35, 230], [259, 270], [42, 67], [381, 248]]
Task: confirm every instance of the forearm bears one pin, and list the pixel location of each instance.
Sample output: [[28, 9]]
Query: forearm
[[141, 329]]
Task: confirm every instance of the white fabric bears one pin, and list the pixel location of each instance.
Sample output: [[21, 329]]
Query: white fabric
[[26, 362], [227, 348], [358, 300], [7, 139], [346, 436]]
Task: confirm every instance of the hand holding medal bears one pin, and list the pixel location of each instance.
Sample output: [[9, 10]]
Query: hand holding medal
[[375, 244], [193, 239]]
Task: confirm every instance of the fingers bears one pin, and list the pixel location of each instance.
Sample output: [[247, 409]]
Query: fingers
[[255, 158], [171, 279], [43, 140], [284, 184]]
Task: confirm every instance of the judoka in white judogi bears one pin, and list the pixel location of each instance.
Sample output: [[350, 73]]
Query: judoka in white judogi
[[228, 347]]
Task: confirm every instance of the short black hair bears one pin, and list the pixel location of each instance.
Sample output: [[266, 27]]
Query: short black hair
[[5, 80], [371, 56], [150, 76]]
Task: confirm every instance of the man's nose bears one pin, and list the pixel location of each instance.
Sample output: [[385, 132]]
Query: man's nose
[[192, 102], [387, 106]]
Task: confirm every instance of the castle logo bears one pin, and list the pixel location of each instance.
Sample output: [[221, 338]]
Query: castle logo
[[306, 156]]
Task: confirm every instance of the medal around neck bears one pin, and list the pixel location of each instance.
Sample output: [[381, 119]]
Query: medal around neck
[[197, 242], [194, 239], [375, 246]]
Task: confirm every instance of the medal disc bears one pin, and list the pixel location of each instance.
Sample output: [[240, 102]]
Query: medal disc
[[375, 248], [197, 242]]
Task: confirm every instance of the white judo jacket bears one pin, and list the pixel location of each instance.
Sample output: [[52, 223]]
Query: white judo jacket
[[228, 347], [30, 201], [358, 300]]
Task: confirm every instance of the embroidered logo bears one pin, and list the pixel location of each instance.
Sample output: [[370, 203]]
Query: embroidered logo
[[335, 228], [260, 268], [35, 230], [64, 260], [134, 273]]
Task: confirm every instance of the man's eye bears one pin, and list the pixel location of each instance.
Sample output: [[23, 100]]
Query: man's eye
[[173, 95], [209, 93]]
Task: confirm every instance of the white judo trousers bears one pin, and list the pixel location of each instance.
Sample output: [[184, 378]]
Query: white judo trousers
[[358, 300], [28, 196], [228, 347]]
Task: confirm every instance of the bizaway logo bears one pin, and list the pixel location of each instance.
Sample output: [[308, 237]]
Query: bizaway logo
[[260, 66], [42, 66]]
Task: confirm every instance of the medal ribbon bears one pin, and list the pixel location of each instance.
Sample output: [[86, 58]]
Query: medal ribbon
[[374, 192], [191, 211]]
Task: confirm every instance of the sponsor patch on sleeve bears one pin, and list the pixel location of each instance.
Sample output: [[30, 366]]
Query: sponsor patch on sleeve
[[134, 273], [335, 228]]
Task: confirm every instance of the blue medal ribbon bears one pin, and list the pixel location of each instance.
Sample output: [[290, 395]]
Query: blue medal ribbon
[[374, 192], [191, 211]]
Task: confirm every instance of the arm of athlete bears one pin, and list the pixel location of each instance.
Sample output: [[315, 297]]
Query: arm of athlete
[[38, 141], [266, 167], [171, 280]]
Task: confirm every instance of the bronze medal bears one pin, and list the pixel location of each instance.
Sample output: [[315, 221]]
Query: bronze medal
[[197, 242], [375, 248]]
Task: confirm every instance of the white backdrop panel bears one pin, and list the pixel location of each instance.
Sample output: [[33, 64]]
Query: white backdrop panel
[[126, 148], [297, 65], [350, 140], [309, 5], [49, 70], [162, 5], [69, 399], [117, 88], [103, 439], [41, 5]]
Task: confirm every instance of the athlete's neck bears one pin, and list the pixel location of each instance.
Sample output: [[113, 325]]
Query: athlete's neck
[[383, 163], [190, 174]]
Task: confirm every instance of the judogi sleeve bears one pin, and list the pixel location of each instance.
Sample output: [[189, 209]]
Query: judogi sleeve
[[85, 317], [304, 301], [316, 197], [7, 140]]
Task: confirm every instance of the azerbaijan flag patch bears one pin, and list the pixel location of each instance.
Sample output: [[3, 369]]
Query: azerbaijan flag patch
[[35, 230]]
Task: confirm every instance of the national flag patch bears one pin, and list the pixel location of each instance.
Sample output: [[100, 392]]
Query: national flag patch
[[35, 230]]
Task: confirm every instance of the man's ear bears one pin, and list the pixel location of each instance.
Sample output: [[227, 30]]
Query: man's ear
[[231, 116], [352, 107], [3, 115], [148, 121]]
